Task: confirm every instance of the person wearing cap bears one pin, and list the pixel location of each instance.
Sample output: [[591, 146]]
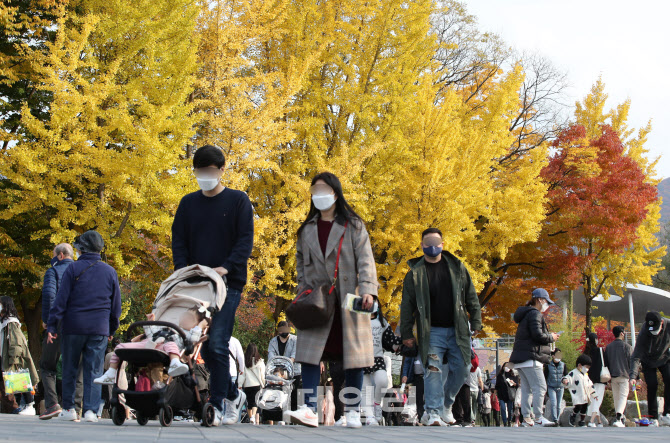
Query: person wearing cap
[[531, 351], [87, 308], [617, 359], [440, 297], [652, 353]]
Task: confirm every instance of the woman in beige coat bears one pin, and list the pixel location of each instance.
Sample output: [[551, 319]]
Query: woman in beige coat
[[346, 336]]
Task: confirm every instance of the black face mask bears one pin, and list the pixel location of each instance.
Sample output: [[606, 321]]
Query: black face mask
[[283, 334]]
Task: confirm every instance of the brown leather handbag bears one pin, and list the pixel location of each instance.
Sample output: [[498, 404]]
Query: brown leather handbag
[[313, 308]]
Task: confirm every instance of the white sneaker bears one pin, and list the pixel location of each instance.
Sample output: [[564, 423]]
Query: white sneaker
[[378, 413], [342, 421], [305, 416], [544, 422], [177, 368], [90, 416], [448, 416], [653, 422], [527, 423], [108, 378], [424, 418], [435, 420], [218, 417], [353, 419], [28, 410], [371, 421], [618, 424], [281, 423], [591, 425], [252, 420], [68, 415], [234, 409], [664, 420], [600, 425]]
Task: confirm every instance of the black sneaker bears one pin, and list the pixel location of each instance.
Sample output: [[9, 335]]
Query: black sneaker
[[51, 412], [572, 419], [582, 424]]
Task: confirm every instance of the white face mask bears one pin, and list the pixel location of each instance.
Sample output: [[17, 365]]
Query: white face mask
[[506, 369], [584, 370], [545, 306], [656, 332], [557, 360], [207, 184], [323, 202], [0, 307]]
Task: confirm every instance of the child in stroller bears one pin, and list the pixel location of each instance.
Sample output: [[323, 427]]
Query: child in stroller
[[275, 397], [192, 321]]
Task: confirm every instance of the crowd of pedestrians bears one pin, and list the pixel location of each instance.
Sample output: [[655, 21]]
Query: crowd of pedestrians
[[340, 363]]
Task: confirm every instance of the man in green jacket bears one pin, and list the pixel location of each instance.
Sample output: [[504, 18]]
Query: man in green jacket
[[438, 295]]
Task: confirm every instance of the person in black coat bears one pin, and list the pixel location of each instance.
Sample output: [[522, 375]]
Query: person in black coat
[[506, 385], [531, 351], [594, 351]]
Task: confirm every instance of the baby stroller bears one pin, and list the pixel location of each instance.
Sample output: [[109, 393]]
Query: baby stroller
[[275, 398], [193, 285]]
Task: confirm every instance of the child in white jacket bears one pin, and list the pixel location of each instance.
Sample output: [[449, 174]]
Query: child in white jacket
[[581, 388]]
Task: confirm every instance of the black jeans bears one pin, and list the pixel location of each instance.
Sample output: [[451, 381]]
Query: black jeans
[[418, 385], [48, 371], [651, 379], [462, 408], [336, 370]]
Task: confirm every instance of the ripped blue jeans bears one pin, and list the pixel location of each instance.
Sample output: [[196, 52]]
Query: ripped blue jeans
[[443, 381]]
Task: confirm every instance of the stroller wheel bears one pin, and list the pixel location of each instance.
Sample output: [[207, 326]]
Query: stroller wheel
[[142, 419], [118, 415], [165, 416], [208, 415]]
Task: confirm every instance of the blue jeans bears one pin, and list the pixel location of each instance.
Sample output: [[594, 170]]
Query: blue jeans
[[215, 351], [443, 381], [353, 378], [507, 411], [555, 397], [90, 349]]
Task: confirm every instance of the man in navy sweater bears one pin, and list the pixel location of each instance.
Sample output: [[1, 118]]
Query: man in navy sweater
[[214, 227], [87, 307]]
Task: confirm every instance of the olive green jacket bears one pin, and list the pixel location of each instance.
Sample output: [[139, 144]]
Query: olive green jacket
[[415, 305], [15, 353]]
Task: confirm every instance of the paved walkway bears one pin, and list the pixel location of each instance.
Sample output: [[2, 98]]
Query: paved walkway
[[23, 429]]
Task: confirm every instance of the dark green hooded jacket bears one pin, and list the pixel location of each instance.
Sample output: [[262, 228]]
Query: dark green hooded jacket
[[415, 305]]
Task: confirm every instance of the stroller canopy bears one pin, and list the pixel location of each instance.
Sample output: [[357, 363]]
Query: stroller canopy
[[279, 362], [186, 287]]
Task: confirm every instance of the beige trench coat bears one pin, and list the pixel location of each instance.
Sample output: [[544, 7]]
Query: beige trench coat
[[357, 273]]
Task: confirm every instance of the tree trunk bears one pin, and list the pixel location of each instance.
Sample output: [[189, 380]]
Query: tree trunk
[[32, 319], [588, 303]]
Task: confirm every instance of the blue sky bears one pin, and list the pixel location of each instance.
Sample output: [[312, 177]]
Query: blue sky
[[628, 43]]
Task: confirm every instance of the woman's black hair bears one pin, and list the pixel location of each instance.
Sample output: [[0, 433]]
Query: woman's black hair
[[591, 345], [380, 315], [343, 212], [502, 368], [8, 308], [251, 355], [209, 155]]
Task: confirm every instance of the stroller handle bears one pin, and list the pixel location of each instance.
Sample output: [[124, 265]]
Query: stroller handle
[[166, 324]]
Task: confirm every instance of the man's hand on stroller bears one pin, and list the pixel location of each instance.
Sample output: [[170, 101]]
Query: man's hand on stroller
[[221, 271]]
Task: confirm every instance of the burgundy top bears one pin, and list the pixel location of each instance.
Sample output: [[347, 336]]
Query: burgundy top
[[334, 349], [324, 228]]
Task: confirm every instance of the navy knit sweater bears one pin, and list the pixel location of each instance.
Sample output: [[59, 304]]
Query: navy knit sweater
[[215, 231]]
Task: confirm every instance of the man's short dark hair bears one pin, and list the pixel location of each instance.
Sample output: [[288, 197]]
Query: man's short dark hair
[[618, 330], [282, 323], [555, 351], [431, 231], [209, 155]]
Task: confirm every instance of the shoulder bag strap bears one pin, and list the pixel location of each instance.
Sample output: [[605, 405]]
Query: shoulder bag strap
[[337, 261], [602, 359], [87, 268]]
